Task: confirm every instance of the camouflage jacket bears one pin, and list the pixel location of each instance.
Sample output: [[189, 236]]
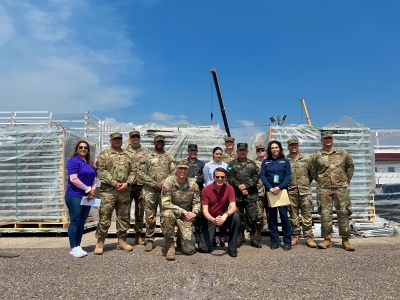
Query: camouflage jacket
[[246, 173], [196, 168], [156, 168], [114, 167], [260, 185], [227, 158], [332, 169], [179, 199], [138, 159], [300, 179]]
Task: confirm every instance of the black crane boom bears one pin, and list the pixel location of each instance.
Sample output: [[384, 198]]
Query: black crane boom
[[221, 102]]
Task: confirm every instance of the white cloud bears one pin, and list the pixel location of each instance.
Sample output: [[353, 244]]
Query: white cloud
[[166, 118], [52, 59], [118, 126], [246, 123]]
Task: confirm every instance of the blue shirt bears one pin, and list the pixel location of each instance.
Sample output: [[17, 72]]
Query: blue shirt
[[86, 174], [270, 167]]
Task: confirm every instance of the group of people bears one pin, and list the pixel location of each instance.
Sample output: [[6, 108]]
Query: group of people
[[228, 193]]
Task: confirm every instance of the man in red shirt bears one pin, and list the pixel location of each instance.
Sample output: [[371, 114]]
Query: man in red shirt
[[219, 207]]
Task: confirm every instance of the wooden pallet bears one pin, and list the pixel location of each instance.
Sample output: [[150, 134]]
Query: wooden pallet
[[40, 225]]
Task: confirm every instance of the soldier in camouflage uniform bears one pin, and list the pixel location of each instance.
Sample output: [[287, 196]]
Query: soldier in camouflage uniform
[[157, 167], [196, 171], [299, 191], [332, 168], [243, 176], [180, 197], [229, 153], [116, 173], [138, 154], [262, 199]]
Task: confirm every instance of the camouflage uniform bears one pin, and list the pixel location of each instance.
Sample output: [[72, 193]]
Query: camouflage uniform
[[299, 191], [114, 167], [138, 158], [262, 199], [175, 200], [196, 171], [156, 169], [227, 158], [246, 173], [333, 171]]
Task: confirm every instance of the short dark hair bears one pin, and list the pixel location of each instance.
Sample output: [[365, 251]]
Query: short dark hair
[[269, 153], [220, 169]]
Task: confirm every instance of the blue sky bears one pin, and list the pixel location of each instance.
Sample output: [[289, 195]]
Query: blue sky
[[144, 61]]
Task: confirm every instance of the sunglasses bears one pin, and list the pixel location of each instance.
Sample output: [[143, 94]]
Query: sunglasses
[[82, 147], [135, 136], [220, 177], [260, 150]]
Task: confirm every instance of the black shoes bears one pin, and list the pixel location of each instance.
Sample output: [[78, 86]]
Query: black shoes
[[232, 253], [255, 244], [273, 247], [286, 248], [240, 243]]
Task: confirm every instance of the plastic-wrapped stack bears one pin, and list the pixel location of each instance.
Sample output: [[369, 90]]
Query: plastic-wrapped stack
[[33, 175], [355, 140]]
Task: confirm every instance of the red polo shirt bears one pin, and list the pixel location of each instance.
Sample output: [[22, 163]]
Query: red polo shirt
[[217, 201]]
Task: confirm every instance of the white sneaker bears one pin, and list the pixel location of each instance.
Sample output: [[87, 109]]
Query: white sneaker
[[81, 250], [76, 253]]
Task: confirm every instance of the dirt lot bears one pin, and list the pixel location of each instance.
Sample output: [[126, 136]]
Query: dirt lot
[[44, 270]]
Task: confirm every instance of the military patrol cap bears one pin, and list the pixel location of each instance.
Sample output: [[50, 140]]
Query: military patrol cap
[[134, 132], [183, 163], [229, 139], [242, 146], [293, 141], [192, 147], [115, 135], [325, 134], [159, 137], [260, 146]]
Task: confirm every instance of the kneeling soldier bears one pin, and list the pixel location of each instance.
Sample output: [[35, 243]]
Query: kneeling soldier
[[180, 197]]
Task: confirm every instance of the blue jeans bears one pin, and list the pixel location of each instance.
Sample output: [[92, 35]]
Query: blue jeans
[[77, 217], [273, 226]]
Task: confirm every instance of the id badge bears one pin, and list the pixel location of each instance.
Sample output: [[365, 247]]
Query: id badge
[[276, 178]]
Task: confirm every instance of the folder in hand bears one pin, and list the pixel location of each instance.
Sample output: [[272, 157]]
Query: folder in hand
[[280, 199]]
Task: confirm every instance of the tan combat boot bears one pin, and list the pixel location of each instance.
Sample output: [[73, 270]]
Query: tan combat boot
[[346, 245], [170, 246], [138, 239], [311, 243], [327, 243], [123, 245], [295, 240], [99, 246], [149, 246], [258, 235]]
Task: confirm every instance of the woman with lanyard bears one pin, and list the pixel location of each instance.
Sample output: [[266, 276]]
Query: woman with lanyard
[[275, 174], [81, 183]]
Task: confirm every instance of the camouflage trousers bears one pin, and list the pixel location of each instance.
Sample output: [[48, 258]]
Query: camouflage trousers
[[185, 231], [151, 201], [261, 206], [248, 213], [304, 204], [340, 197], [137, 197], [111, 200]]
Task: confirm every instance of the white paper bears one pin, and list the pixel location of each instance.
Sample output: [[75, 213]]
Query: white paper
[[94, 202]]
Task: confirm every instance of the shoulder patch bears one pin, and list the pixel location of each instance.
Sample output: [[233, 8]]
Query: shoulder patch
[[229, 168]]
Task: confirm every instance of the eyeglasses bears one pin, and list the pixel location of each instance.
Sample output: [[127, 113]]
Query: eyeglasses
[[260, 150], [220, 177], [135, 136], [82, 147]]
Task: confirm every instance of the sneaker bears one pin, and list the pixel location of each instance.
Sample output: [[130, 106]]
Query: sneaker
[[222, 242], [76, 253], [81, 250]]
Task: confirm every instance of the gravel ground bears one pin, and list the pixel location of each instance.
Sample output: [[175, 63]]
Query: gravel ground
[[45, 270]]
